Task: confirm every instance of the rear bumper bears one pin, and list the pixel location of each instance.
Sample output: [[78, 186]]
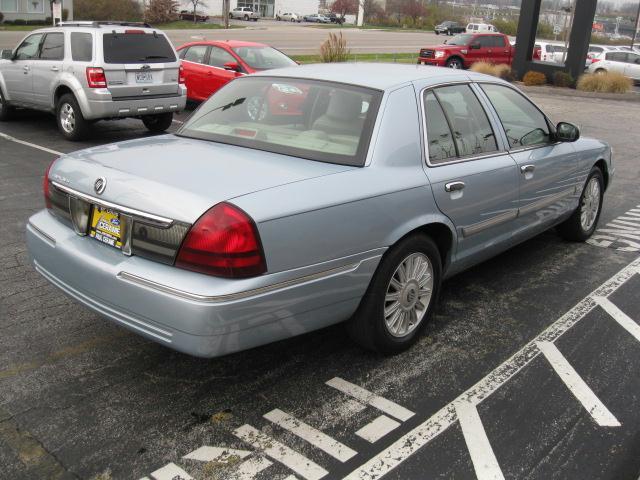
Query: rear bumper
[[102, 105], [189, 312]]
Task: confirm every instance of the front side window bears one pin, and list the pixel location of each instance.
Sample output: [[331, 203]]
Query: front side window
[[312, 119], [485, 41], [137, 48], [52, 47], [218, 57], [29, 48], [81, 47], [263, 58], [462, 39], [523, 123], [472, 132], [195, 54]]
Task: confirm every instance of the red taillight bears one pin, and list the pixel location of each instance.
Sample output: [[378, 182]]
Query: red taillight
[[46, 187], [96, 77], [594, 60], [181, 79], [223, 242]]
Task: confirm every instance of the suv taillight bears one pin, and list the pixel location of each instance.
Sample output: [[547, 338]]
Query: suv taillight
[[223, 242], [46, 186], [181, 79], [96, 77]]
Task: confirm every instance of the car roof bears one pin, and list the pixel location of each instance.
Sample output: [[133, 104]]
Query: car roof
[[228, 43], [379, 76]]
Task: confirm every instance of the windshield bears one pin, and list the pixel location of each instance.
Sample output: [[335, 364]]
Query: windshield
[[462, 39], [263, 58], [137, 48], [316, 120]]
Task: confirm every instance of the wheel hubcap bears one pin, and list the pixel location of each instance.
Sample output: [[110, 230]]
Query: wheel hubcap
[[590, 204], [67, 118], [408, 295], [454, 65]]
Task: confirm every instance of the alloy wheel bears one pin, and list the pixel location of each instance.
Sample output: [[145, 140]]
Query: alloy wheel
[[590, 204], [67, 118]]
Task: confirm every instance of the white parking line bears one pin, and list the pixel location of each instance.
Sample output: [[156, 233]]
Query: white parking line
[[411, 442], [577, 386], [484, 460], [619, 316], [281, 453], [171, 472], [378, 428], [29, 144], [315, 437], [222, 455], [370, 398]]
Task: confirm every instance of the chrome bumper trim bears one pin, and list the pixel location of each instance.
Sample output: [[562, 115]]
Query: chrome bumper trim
[[129, 277], [491, 222], [144, 216]]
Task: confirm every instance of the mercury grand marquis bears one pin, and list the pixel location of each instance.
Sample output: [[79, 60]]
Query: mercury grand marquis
[[249, 225]]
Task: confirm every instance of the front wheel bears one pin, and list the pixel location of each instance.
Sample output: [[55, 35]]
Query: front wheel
[[246, 17], [71, 122], [454, 63], [158, 123], [581, 225], [400, 298]]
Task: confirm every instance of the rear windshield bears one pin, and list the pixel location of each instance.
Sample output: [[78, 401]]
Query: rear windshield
[[316, 120], [137, 48], [263, 58]]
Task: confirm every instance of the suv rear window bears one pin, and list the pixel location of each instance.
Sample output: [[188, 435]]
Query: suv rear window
[[137, 48]]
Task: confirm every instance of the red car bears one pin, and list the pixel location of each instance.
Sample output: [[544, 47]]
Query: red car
[[209, 65], [465, 49]]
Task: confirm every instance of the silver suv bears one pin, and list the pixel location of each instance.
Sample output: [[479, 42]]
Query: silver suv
[[88, 71], [244, 13]]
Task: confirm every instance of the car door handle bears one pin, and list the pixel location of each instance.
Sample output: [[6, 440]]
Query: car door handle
[[527, 168], [55, 69], [26, 68], [453, 186]]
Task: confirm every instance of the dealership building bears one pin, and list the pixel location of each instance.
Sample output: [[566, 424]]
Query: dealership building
[[266, 8]]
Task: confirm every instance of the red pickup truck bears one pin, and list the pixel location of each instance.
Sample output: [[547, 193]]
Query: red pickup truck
[[465, 49]]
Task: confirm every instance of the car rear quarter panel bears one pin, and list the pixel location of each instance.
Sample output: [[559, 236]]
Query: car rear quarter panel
[[356, 211]]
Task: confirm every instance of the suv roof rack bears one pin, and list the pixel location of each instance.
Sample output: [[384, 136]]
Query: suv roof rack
[[105, 23]]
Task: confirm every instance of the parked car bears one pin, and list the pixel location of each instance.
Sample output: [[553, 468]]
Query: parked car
[[88, 71], [316, 18], [627, 63], [188, 16], [289, 17], [465, 49], [244, 13], [449, 28], [480, 27], [234, 233], [335, 18], [552, 52], [209, 65]]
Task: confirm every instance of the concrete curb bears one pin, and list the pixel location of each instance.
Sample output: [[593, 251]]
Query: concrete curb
[[570, 92]]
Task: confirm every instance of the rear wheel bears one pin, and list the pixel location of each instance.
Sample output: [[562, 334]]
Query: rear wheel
[[581, 225], [454, 63], [400, 298], [246, 17], [71, 122], [6, 110], [158, 123]]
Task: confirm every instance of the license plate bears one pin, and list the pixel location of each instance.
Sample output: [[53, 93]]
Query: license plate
[[144, 77], [106, 226]]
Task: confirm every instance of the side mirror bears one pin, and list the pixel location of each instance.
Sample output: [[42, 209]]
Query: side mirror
[[7, 54], [567, 132], [474, 46], [232, 66]]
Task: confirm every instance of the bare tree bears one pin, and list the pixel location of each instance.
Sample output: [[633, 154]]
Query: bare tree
[[195, 4]]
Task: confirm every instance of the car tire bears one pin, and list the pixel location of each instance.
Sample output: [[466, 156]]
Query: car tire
[[71, 122], [584, 220], [372, 326], [6, 110], [246, 17], [293, 20], [600, 71], [158, 123], [455, 63], [437, 33]]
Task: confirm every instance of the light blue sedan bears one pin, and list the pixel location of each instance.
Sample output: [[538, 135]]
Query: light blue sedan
[[307, 196]]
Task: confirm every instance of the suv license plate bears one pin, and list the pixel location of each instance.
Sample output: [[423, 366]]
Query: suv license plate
[[106, 226], [144, 77]]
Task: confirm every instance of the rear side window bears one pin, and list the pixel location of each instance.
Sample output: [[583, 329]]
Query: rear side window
[[498, 41], [195, 54], [52, 47], [523, 123], [617, 56], [472, 132], [81, 47], [137, 48], [440, 141]]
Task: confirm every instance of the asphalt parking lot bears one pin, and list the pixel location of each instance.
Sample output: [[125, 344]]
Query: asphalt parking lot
[[528, 371]]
